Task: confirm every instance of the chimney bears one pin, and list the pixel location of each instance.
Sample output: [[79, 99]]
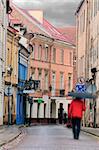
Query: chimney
[[37, 14]]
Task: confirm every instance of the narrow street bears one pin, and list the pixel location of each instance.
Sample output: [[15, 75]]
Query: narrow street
[[55, 138], [49, 74]]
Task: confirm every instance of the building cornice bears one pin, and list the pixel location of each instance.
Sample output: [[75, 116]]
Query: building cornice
[[65, 44]]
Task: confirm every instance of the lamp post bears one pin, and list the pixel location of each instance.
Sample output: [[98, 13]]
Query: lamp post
[[93, 71], [30, 99], [9, 93]]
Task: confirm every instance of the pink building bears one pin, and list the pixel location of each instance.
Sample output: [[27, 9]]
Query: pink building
[[70, 33], [51, 62]]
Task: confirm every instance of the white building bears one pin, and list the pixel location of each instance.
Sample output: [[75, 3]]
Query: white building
[[2, 53], [87, 29]]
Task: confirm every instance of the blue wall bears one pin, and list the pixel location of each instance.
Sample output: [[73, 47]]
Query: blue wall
[[20, 114]]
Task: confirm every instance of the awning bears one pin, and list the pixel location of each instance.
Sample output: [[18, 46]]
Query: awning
[[39, 100], [83, 95]]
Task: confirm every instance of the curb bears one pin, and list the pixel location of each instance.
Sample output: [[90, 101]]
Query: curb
[[4, 143], [90, 133], [7, 142]]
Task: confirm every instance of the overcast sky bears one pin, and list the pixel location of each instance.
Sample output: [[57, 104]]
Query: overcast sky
[[59, 12]]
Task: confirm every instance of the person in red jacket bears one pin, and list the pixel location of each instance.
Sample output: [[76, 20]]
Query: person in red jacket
[[76, 109]]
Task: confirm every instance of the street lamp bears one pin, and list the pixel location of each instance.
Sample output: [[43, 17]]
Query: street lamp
[[30, 99], [93, 71]]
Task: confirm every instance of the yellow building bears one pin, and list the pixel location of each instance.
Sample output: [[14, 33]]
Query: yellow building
[[11, 76]]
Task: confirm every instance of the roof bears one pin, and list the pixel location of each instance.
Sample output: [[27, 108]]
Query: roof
[[13, 20], [54, 32], [46, 26], [69, 32]]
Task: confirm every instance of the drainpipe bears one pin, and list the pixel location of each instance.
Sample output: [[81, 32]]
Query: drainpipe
[[50, 87], [86, 51]]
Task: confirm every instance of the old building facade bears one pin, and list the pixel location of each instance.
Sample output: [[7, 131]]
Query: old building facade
[[11, 76], [2, 53], [87, 27], [51, 62]]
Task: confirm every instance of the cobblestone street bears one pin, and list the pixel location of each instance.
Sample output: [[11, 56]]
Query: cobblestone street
[[55, 138]]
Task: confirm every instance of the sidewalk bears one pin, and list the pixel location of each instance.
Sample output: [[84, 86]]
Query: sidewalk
[[93, 131], [8, 134]]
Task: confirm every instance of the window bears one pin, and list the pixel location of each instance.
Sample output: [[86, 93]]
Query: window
[[94, 53], [91, 54], [46, 53], [8, 56], [98, 4], [97, 50], [53, 83], [82, 22], [70, 58], [2, 13], [39, 52], [40, 77], [62, 56], [95, 7], [82, 65], [15, 61], [69, 82], [33, 73], [1, 41], [54, 55], [33, 53], [91, 9], [61, 80], [46, 80]]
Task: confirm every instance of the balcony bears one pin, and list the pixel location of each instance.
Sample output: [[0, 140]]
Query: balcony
[[55, 93], [58, 93]]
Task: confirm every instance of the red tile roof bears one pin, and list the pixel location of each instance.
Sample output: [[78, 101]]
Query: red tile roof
[[54, 32], [48, 27], [13, 20], [69, 32]]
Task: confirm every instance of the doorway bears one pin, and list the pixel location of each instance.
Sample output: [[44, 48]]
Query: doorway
[[53, 111]]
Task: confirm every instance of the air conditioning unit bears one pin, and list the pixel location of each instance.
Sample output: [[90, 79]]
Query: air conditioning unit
[[62, 92]]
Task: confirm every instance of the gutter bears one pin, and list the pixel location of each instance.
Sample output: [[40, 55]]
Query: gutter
[[80, 5]]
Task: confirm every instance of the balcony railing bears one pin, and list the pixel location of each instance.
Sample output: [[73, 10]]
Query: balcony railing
[[59, 93], [55, 93]]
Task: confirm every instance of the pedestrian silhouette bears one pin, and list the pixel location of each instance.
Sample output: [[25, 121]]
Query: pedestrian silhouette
[[60, 113]]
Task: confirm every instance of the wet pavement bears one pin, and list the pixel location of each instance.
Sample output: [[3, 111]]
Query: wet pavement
[[55, 137]]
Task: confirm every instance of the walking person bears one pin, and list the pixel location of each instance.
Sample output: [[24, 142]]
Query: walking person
[[76, 109]]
